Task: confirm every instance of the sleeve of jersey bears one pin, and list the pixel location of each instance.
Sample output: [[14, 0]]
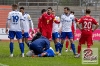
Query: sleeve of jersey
[[8, 20], [61, 19], [31, 22], [95, 22], [39, 23], [80, 20]]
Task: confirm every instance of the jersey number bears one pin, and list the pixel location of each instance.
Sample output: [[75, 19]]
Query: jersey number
[[15, 19], [87, 25]]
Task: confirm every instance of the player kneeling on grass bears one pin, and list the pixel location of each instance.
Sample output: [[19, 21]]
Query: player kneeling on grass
[[40, 45], [47, 53], [56, 33]]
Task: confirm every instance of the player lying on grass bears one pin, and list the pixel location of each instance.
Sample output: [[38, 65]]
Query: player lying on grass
[[86, 30], [41, 47], [48, 53]]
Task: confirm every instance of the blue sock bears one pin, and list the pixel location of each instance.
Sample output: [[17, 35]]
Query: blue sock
[[73, 48], [21, 47], [11, 47], [60, 48], [57, 47]]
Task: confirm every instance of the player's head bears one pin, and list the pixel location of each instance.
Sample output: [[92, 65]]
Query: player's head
[[72, 12], [66, 10], [88, 11], [22, 9], [49, 10], [43, 11], [53, 12], [14, 6]]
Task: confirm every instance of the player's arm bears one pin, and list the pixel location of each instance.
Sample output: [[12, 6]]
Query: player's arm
[[31, 23], [47, 44], [8, 21], [39, 24], [96, 23], [60, 27], [78, 23], [22, 23], [74, 23]]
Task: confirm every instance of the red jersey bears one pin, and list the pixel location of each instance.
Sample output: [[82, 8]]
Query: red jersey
[[47, 21], [73, 29], [87, 23], [40, 24]]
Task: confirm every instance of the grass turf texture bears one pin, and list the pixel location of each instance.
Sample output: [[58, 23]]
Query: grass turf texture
[[66, 59]]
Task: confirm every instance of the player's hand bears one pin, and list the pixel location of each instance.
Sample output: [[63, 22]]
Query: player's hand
[[22, 31], [92, 30], [74, 32], [32, 31], [6, 30]]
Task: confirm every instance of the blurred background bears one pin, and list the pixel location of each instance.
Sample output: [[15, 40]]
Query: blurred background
[[33, 7]]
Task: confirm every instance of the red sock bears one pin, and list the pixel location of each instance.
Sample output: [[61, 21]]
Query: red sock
[[79, 49], [67, 43]]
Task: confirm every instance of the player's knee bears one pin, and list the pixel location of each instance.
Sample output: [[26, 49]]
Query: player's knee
[[12, 40], [19, 40]]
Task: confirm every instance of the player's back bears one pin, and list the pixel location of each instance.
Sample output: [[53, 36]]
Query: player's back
[[87, 23], [15, 18]]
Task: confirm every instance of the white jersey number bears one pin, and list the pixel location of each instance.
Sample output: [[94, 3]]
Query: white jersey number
[[87, 25]]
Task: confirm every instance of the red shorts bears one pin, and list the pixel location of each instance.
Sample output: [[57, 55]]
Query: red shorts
[[86, 39], [47, 34]]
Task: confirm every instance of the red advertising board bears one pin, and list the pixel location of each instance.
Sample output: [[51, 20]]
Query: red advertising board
[[96, 34]]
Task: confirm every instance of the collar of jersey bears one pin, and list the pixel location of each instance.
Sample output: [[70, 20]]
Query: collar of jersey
[[67, 14], [15, 10]]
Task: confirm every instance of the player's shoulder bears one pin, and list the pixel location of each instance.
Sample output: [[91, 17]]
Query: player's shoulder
[[71, 15], [63, 15]]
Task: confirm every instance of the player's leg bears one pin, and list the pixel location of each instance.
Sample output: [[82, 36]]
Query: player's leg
[[89, 41], [21, 45], [63, 36], [23, 39], [81, 41], [44, 33], [57, 43], [49, 35], [26, 38], [67, 44], [11, 45], [70, 37]]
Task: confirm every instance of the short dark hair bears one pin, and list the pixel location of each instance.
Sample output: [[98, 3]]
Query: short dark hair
[[72, 12], [15, 5], [22, 8], [50, 8], [88, 11], [67, 8], [43, 10]]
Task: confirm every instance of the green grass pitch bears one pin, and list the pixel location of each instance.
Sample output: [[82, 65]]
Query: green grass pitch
[[66, 59]]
